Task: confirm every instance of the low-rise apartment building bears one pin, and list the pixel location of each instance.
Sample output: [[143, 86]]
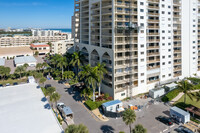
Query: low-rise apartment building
[[27, 40], [61, 47], [42, 48]]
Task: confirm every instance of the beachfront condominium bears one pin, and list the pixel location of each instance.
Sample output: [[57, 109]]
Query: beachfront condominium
[[144, 43]]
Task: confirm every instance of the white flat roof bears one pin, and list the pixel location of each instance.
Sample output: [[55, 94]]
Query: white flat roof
[[2, 62], [171, 85], [22, 110], [25, 59]]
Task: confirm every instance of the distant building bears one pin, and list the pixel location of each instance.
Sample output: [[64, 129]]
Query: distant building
[[20, 61], [61, 47], [39, 32], [27, 40], [10, 52], [42, 48], [2, 62]]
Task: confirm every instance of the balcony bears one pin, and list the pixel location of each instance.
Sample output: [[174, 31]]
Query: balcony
[[153, 61]]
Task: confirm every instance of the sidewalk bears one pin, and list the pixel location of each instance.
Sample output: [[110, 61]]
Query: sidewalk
[[99, 115], [180, 95]]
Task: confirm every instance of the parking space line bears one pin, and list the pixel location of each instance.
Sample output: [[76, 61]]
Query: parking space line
[[165, 130]]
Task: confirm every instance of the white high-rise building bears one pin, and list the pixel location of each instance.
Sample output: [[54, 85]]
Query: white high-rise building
[[144, 43]]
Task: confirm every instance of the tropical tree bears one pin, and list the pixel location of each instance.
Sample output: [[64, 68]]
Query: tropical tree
[[55, 59], [62, 62], [44, 65], [39, 66], [4, 71], [139, 129], [129, 117], [76, 129], [50, 91], [42, 80], [37, 75], [101, 70], [25, 66], [50, 45], [90, 76], [54, 98], [19, 70], [77, 60], [68, 74], [186, 88], [36, 53]]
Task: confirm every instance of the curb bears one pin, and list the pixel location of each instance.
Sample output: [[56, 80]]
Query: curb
[[90, 112]]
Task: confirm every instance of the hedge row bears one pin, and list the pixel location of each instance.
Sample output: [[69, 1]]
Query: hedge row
[[93, 105], [171, 95]]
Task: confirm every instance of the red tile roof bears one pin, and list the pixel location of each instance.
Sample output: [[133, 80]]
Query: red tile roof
[[42, 45]]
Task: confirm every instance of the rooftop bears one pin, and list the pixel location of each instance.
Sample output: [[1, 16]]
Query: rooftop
[[107, 104], [11, 51], [179, 110], [24, 59], [22, 110], [39, 45], [2, 62]]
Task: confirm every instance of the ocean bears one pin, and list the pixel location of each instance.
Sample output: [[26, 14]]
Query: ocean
[[62, 30]]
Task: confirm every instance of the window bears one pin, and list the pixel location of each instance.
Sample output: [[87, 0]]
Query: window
[[142, 74], [141, 3], [122, 94], [142, 81]]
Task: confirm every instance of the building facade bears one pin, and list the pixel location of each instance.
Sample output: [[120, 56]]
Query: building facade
[[61, 47], [144, 43], [27, 40]]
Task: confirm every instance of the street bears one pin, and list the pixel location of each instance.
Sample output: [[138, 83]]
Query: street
[[146, 117]]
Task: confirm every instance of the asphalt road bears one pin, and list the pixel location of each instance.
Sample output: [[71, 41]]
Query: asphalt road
[[145, 117]]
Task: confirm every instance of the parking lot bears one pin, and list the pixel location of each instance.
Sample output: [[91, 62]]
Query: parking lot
[[10, 63], [146, 116]]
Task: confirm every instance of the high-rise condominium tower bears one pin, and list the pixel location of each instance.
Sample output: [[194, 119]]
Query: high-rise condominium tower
[[144, 43]]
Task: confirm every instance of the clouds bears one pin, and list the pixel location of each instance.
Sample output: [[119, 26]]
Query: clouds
[[6, 4]]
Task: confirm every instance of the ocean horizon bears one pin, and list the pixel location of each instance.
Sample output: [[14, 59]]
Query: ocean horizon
[[66, 30]]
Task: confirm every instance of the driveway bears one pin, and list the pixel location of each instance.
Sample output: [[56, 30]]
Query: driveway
[[146, 117]]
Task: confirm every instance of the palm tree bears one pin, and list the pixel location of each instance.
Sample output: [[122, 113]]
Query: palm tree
[[62, 62], [19, 70], [77, 60], [76, 129], [42, 80], [139, 129], [39, 66], [129, 117], [186, 88], [101, 70], [90, 76], [54, 98], [4, 71], [69, 58], [50, 91], [55, 59], [68, 74], [25, 65]]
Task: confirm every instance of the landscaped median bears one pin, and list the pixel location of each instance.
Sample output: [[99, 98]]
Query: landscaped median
[[171, 95]]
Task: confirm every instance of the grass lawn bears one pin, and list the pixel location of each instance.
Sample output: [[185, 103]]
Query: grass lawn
[[11, 81], [189, 101]]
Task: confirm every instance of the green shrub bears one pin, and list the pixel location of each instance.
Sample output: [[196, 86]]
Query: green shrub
[[44, 91], [94, 105], [106, 96], [121, 132], [194, 120], [171, 95]]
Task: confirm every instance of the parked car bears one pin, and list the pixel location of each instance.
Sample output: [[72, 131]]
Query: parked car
[[1, 85], [47, 86], [165, 120], [182, 129], [15, 83], [8, 84]]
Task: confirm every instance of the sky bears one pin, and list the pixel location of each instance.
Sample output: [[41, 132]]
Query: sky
[[36, 13]]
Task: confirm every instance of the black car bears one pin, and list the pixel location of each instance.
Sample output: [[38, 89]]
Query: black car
[[15, 83], [47, 86], [165, 120], [182, 129], [1, 85]]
